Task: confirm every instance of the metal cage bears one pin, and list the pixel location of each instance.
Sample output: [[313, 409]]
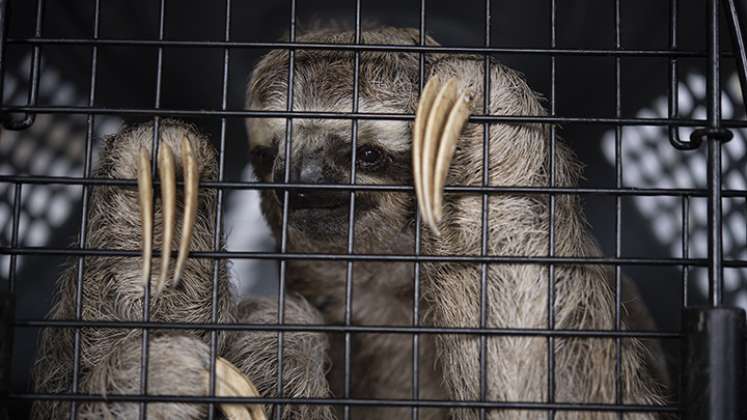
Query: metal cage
[[711, 358]]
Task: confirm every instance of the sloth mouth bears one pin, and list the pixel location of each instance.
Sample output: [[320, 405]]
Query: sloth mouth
[[330, 220], [320, 212], [320, 223], [324, 204]]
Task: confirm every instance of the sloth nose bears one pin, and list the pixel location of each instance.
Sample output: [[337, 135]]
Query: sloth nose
[[312, 171]]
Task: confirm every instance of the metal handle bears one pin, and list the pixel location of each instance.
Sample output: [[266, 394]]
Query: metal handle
[[7, 313], [713, 361]]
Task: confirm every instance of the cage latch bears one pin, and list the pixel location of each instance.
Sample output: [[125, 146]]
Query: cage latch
[[701, 135]]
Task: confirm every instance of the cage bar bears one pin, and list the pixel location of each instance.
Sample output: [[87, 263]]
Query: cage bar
[[7, 315], [713, 344], [714, 358]]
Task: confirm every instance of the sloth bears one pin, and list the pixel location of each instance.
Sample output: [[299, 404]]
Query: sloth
[[498, 367], [179, 361], [451, 366]]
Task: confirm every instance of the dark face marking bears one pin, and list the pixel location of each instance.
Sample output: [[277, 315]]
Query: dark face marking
[[263, 159], [324, 212]]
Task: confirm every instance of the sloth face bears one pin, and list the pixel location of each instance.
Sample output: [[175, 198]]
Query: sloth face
[[320, 151]]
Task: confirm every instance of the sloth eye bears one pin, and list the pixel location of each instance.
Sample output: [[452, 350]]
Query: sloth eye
[[264, 153], [262, 158], [370, 157]]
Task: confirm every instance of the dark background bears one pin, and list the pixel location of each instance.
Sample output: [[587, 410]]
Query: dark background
[[191, 79]]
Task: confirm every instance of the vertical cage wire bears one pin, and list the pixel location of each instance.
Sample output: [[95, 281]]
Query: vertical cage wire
[[618, 215], [286, 199], [418, 234], [84, 212], [551, 211]]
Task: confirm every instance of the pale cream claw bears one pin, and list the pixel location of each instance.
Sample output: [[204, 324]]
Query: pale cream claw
[[433, 128], [167, 175], [438, 122], [421, 117], [457, 118], [145, 195], [191, 180], [231, 382]]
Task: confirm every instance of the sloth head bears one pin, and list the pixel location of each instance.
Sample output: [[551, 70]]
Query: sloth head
[[320, 151]]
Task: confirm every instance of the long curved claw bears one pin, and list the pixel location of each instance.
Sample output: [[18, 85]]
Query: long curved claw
[[191, 179], [167, 174], [231, 382], [421, 117], [433, 128], [438, 122], [145, 195], [457, 117]]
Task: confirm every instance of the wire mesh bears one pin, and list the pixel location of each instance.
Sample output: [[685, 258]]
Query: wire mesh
[[23, 116]]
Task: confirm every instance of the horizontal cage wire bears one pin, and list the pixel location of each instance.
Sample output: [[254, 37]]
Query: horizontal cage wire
[[664, 189]]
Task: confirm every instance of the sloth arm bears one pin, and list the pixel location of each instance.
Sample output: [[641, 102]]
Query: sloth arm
[[112, 285], [516, 295], [304, 359]]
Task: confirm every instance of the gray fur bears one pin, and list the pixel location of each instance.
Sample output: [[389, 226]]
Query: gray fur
[[120, 372], [112, 286], [305, 361], [517, 294], [110, 358]]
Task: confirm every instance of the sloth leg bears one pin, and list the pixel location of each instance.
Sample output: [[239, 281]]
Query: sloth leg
[[172, 357], [304, 356], [177, 366]]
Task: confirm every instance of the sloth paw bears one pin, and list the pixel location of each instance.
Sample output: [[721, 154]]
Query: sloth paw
[[122, 218], [178, 366], [166, 173]]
